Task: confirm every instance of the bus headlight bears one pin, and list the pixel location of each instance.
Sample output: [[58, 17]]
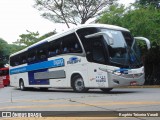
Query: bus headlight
[[117, 73]]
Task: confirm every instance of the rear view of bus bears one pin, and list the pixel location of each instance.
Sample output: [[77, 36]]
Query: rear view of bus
[[4, 76]]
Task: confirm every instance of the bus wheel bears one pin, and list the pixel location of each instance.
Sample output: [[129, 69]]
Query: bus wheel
[[106, 89], [78, 84], [21, 85]]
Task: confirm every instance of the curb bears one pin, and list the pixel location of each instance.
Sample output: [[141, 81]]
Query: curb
[[144, 86]]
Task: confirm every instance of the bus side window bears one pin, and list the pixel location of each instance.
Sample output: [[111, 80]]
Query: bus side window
[[98, 51], [11, 61], [41, 53], [32, 56], [23, 58], [24, 61], [77, 48], [65, 45], [52, 53], [16, 61], [54, 48], [66, 50], [70, 44]]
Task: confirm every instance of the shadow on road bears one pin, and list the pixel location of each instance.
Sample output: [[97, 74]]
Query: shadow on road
[[91, 91]]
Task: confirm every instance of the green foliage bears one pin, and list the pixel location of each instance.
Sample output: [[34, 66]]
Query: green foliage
[[31, 38], [146, 3], [4, 53], [144, 22], [27, 39], [14, 48], [5, 50], [47, 35], [141, 22], [113, 15]]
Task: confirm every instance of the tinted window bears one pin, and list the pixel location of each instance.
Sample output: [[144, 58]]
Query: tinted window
[[67, 44], [70, 44], [11, 61], [94, 47], [82, 33], [16, 60], [23, 57], [32, 56], [42, 52], [98, 51], [54, 48]]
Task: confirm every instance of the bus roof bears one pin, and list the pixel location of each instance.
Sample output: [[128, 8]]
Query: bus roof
[[114, 27], [71, 30]]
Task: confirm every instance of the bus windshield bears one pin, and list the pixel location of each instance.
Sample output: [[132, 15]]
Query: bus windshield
[[124, 51]]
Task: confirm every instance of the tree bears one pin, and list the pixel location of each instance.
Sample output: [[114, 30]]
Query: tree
[[4, 53], [14, 48], [141, 21], [144, 22], [155, 3], [27, 39], [113, 15], [47, 35], [70, 11], [31, 38]]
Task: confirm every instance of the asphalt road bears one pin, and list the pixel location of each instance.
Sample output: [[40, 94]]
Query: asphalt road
[[119, 101]]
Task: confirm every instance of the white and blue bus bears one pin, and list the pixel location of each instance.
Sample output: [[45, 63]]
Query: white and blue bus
[[89, 56]]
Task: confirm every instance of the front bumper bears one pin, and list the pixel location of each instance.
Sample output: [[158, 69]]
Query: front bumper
[[125, 80]]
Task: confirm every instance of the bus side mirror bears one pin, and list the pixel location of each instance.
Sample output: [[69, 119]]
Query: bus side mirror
[[107, 36], [144, 39]]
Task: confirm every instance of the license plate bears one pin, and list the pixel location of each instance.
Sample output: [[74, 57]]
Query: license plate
[[133, 83]]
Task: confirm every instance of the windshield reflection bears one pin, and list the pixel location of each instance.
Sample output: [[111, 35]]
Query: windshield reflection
[[124, 51]]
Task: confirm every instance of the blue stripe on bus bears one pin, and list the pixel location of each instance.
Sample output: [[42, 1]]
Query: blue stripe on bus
[[33, 81], [37, 66]]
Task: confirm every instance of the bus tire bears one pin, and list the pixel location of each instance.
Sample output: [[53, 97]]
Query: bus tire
[[106, 90], [21, 85], [78, 84]]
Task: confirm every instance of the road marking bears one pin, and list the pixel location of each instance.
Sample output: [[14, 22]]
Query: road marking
[[74, 104], [22, 100]]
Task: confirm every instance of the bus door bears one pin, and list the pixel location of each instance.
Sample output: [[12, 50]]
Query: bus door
[[97, 57]]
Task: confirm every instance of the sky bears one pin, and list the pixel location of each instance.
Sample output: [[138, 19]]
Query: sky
[[17, 16]]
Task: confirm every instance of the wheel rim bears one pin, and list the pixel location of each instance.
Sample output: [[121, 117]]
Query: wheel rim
[[79, 85]]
